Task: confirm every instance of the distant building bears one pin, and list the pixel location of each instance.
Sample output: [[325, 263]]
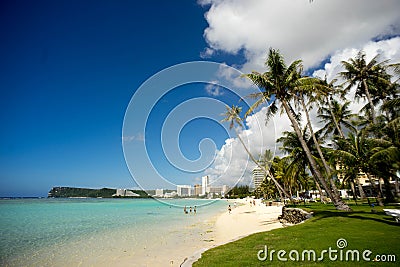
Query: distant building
[[170, 194], [183, 190], [258, 176], [225, 189], [159, 193], [314, 194], [125, 193], [197, 190], [219, 191], [361, 176], [205, 180]]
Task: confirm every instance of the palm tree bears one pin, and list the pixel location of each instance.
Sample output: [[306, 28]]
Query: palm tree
[[370, 78], [232, 115], [355, 152], [335, 117], [266, 190], [299, 162], [278, 85], [311, 87], [387, 157], [279, 168]]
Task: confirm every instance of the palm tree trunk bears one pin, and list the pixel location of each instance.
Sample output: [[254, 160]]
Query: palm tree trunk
[[370, 102], [376, 189], [339, 204], [322, 197], [334, 119], [362, 194], [388, 190], [328, 170], [354, 191], [279, 187]]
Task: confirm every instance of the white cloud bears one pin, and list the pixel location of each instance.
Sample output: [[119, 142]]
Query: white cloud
[[213, 89], [388, 49], [232, 162], [207, 53], [310, 31]]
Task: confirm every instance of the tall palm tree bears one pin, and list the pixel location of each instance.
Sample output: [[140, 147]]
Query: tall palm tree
[[312, 89], [278, 85], [335, 117], [232, 115], [370, 78]]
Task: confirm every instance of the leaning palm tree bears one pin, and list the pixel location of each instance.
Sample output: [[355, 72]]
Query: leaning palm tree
[[278, 86], [315, 91], [370, 78], [232, 115]]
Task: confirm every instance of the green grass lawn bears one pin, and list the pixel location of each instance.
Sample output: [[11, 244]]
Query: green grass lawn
[[362, 230]]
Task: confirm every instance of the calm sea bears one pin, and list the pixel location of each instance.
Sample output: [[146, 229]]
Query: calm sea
[[50, 232]]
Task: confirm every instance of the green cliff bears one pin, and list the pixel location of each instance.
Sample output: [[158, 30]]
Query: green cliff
[[64, 192]]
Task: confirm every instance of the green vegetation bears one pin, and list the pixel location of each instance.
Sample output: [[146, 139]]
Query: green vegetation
[[60, 192], [347, 146], [240, 191], [361, 228]]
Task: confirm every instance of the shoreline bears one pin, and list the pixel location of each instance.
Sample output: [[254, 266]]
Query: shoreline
[[179, 241], [184, 247], [244, 220]]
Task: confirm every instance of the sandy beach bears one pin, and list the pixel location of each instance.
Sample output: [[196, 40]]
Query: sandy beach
[[183, 247], [243, 220]]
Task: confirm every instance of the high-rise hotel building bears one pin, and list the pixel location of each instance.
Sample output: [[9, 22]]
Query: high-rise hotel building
[[258, 176], [205, 180]]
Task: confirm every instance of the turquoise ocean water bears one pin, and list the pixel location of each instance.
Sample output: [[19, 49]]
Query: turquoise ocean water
[[51, 232]]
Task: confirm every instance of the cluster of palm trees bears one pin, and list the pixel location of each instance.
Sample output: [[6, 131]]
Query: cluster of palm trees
[[367, 142]]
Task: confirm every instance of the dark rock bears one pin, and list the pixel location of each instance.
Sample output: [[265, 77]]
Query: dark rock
[[293, 216]]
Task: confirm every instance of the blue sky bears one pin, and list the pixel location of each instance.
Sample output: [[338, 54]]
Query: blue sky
[[69, 69]]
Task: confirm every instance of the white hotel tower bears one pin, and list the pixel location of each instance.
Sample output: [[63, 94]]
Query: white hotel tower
[[258, 177], [204, 184]]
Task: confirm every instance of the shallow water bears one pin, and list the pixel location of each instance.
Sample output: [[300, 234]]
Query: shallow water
[[62, 232]]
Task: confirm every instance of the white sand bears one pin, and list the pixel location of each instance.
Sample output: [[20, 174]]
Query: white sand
[[243, 220], [187, 245]]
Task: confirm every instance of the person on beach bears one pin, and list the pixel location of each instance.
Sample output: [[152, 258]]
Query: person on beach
[[190, 209], [229, 209], [184, 210], [194, 209]]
